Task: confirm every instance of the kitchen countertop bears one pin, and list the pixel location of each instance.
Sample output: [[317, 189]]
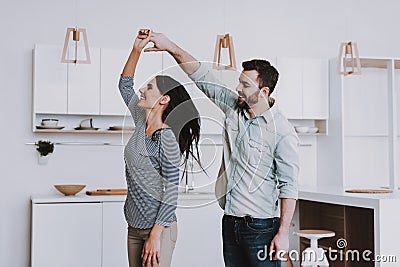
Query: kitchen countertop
[[205, 197], [319, 194], [339, 196]]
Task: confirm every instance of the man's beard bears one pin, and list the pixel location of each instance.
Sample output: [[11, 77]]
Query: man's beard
[[244, 102]]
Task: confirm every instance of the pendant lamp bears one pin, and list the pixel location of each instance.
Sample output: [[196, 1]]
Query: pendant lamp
[[224, 42], [76, 34], [349, 62]]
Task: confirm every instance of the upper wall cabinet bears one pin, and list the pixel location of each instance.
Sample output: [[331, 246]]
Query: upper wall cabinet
[[49, 80], [303, 87], [79, 89], [84, 85]]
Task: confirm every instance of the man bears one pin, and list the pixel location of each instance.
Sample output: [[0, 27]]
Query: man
[[260, 155]]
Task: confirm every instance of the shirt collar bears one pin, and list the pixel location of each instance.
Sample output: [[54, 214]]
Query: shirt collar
[[268, 114]]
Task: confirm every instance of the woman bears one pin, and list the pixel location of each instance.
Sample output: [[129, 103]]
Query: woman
[[167, 123]]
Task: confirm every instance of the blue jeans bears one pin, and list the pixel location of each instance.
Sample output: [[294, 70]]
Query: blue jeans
[[247, 239]]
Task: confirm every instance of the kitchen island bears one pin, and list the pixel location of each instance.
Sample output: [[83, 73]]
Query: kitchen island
[[364, 221], [95, 225]]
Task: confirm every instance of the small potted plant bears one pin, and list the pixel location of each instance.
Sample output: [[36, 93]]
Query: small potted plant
[[45, 148]]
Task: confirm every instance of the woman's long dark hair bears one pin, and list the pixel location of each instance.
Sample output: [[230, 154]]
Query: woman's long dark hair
[[182, 116]]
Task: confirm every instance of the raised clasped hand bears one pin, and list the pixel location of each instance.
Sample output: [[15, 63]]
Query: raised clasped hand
[[142, 39], [160, 41]]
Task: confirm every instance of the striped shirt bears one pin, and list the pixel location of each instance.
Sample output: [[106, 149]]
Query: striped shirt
[[152, 169]]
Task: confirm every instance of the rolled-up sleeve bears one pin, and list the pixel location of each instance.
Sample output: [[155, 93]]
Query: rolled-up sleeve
[[287, 166], [214, 89]]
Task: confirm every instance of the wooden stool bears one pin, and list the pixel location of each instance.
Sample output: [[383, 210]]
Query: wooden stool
[[314, 256]]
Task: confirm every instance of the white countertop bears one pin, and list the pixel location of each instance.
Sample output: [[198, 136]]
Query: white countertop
[[83, 198], [319, 194], [339, 196]]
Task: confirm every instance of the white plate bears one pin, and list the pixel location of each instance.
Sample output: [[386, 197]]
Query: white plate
[[49, 127], [86, 128]]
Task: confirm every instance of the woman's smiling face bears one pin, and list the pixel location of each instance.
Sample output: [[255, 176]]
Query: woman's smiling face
[[150, 95]]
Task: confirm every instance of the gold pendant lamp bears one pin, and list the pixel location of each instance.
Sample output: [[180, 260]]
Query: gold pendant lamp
[[76, 38], [348, 60], [224, 42], [76, 33]]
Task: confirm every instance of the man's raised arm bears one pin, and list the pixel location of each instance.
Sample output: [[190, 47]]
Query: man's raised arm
[[186, 61]]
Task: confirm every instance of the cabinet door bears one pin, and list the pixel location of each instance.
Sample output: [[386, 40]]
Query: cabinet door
[[67, 234], [308, 161], [50, 80], [114, 235], [84, 85], [199, 240], [112, 63], [315, 88], [289, 92], [365, 110], [366, 162], [397, 122]]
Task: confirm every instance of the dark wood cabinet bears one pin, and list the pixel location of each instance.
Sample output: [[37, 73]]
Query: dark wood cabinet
[[354, 228]]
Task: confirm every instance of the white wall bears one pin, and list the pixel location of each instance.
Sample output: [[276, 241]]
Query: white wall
[[309, 28]]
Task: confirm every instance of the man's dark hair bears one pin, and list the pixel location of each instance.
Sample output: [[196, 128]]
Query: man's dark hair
[[267, 74]]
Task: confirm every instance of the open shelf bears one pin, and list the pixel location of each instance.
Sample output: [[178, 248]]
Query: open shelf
[[321, 124], [70, 121], [82, 131], [381, 63], [311, 134]]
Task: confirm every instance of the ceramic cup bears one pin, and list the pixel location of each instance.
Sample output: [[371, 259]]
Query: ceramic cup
[[49, 122]]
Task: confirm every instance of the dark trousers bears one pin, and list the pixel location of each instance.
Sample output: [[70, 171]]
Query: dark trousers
[[247, 239]]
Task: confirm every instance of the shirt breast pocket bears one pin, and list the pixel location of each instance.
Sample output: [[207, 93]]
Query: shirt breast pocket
[[260, 158]]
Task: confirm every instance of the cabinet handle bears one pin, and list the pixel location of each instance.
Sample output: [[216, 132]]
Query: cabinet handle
[[304, 145]]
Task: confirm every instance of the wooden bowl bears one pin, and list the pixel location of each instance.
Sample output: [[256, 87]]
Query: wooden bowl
[[69, 189]]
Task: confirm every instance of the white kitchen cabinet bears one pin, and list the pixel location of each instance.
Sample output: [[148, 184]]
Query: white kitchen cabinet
[[66, 234], [84, 85], [73, 92], [361, 151], [199, 240], [289, 90], [303, 86], [315, 88], [91, 231], [308, 161], [396, 119], [112, 63], [364, 112], [115, 232], [50, 80], [65, 88]]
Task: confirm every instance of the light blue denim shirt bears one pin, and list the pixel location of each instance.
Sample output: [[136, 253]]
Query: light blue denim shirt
[[260, 153]]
